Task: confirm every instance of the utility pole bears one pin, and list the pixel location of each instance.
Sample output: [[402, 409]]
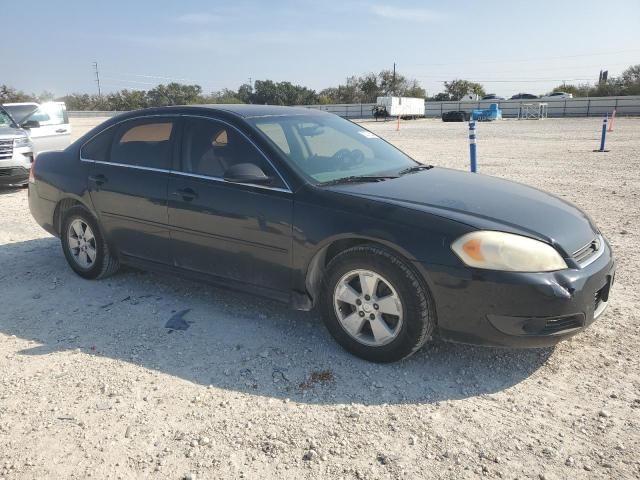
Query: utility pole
[[97, 72], [394, 78], [250, 83]]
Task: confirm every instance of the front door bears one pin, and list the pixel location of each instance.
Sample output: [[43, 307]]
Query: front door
[[54, 132], [130, 171], [235, 231]]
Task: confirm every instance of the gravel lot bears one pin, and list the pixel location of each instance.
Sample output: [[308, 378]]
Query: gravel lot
[[92, 384]]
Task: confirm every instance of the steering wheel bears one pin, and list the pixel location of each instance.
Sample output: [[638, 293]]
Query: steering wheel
[[348, 158]]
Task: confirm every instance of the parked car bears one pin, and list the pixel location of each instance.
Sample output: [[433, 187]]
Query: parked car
[[313, 210], [492, 96], [16, 151], [47, 124], [558, 96], [524, 96], [456, 116]]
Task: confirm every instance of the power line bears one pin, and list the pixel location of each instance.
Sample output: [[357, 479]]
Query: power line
[[531, 80], [529, 60]]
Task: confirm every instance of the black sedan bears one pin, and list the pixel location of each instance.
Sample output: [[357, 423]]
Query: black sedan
[[310, 209]]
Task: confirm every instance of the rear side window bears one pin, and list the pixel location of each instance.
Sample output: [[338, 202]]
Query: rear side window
[[143, 143]]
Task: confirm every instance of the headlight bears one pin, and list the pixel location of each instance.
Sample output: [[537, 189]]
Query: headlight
[[21, 142], [506, 251]]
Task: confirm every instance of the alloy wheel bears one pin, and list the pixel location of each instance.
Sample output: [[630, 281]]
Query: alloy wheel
[[368, 307], [82, 243]]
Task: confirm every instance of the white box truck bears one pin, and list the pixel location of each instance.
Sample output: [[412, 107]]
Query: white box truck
[[405, 107]]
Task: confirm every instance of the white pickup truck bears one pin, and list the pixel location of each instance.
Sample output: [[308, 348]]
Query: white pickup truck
[[27, 129]]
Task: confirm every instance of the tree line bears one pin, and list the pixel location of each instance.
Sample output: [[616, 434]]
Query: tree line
[[356, 89]]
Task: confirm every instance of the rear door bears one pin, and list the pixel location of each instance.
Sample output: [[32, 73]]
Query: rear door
[[54, 132], [130, 166]]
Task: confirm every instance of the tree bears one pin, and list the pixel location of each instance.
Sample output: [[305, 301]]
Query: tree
[[368, 85], [222, 96], [441, 97], [268, 92], [82, 101], [630, 80], [581, 90], [244, 93], [456, 89], [126, 100], [413, 89], [173, 94], [9, 95]]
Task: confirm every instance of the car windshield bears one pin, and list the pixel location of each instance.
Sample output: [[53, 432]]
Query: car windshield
[[5, 119], [21, 111], [325, 148]]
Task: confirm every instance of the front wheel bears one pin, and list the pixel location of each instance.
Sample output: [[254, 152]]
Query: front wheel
[[375, 306], [84, 247]]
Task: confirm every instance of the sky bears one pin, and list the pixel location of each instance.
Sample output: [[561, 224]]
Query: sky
[[509, 46]]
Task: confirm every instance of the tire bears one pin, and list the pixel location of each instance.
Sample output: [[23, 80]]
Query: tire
[[411, 329], [104, 262]]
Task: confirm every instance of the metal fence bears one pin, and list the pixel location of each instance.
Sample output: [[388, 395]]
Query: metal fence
[[575, 107]]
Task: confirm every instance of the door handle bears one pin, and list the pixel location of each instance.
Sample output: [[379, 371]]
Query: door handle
[[61, 130], [98, 179], [187, 194]]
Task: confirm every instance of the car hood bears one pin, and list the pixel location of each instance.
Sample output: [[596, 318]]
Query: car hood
[[485, 202], [9, 132]]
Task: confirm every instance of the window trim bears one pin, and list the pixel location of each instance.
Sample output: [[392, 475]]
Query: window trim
[[187, 174]]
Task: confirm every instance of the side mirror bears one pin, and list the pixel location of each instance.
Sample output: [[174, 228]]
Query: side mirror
[[30, 124], [246, 173]]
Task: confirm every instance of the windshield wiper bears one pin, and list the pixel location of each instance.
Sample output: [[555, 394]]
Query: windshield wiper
[[358, 179], [415, 168]]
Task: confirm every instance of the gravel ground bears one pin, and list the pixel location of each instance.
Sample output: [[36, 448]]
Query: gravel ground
[[92, 383]]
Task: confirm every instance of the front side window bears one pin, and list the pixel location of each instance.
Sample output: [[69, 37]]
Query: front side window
[[326, 148], [210, 148], [143, 143], [50, 114]]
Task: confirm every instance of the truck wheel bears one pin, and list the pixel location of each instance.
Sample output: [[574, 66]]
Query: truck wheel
[[84, 246], [375, 306]]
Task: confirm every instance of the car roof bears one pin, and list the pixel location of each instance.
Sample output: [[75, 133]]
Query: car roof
[[252, 111]]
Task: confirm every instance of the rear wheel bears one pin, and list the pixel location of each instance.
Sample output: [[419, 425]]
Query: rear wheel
[[84, 247], [375, 306]]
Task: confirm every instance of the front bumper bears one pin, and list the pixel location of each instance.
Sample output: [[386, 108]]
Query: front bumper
[[13, 175], [15, 169], [511, 309]]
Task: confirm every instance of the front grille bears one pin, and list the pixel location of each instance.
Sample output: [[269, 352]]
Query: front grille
[[586, 252], [600, 297], [562, 324], [6, 149]]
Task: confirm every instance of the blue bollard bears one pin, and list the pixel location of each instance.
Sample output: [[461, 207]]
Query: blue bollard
[[472, 146], [604, 134]]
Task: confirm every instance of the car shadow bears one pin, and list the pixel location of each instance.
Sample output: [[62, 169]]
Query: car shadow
[[236, 341], [7, 189]]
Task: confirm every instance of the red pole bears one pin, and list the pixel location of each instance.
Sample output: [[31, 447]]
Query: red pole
[[398, 124], [613, 117]]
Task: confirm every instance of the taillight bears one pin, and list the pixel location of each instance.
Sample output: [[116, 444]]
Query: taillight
[[32, 171]]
